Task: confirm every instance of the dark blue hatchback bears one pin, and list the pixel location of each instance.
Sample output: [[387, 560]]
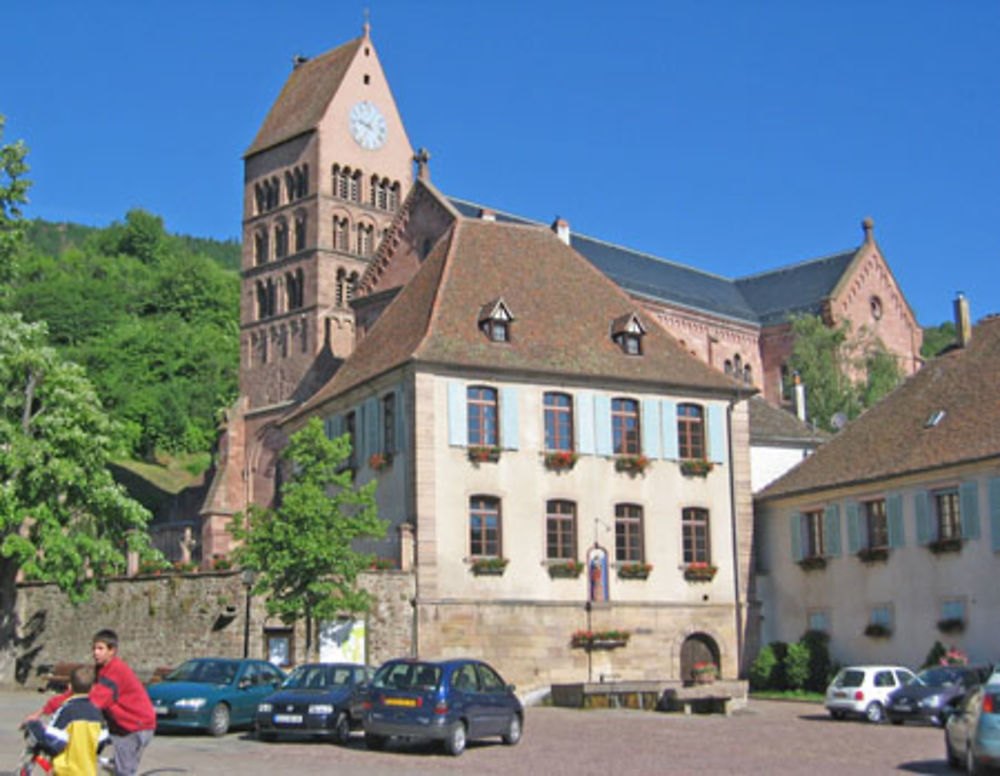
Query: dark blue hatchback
[[451, 701]]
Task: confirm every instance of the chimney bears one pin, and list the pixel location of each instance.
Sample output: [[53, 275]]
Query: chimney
[[298, 60], [800, 398], [963, 327], [487, 215], [561, 227], [868, 225]]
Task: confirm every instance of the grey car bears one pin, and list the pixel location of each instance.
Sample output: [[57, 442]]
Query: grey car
[[924, 699]]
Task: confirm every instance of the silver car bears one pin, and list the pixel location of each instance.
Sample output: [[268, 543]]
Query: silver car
[[864, 690], [972, 732]]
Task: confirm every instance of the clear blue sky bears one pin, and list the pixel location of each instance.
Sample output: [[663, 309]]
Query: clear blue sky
[[734, 136]]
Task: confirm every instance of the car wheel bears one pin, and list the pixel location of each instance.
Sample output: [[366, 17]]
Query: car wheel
[[874, 713], [219, 723], [374, 742], [953, 759], [837, 714], [454, 744], [342, 729], [513, 734]]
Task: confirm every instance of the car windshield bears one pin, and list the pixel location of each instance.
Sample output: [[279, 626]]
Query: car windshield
[[204, 671], [318, 678], [408, 676], [849, 678], [939, 677]]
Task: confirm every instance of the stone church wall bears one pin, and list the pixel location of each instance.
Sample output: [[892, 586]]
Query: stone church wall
[[163, 620]]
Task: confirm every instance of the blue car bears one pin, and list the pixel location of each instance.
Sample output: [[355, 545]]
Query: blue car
[[972, 732], [316, 699], [213, 694], [451, 701]]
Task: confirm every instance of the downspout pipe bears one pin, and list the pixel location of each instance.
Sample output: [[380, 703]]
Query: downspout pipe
[[735, 535]]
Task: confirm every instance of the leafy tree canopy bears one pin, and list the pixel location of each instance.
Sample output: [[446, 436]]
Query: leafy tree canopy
[[843, 373], [303, 549], [937, 338], [13, 194]]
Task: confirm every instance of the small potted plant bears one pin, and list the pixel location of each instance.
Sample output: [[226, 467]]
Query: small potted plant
[[493, 566], [221, 563], [565, 568], [631, 464], [949, 544], [696, 467], [561, 460], [634, 570], [700, 571], [878, 630], [704, 673], [379, 461], [955, 657], [484, 453]]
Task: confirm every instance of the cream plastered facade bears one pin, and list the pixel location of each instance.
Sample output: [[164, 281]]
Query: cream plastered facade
[[914, 582]]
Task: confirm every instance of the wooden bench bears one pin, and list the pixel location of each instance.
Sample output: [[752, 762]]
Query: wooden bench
[[701, 703], [57, 677]]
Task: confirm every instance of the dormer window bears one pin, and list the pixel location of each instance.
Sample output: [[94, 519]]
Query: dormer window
[[495, 319], [627, 331]]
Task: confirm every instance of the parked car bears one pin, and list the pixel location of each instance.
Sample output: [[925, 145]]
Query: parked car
[[864, 690], [315, 699], [213, 693], [924, 699], [972, 732], [451, 701]]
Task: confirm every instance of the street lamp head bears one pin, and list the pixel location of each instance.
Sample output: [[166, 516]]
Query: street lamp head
[[249, 576]]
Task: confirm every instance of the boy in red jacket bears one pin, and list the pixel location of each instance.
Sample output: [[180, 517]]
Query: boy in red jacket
[[122, 698]]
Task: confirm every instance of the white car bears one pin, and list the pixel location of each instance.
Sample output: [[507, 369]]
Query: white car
[[863, 690]]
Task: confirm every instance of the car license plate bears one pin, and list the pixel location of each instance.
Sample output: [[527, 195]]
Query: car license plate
[[840, 695], [407, 702], [288, 719], [161, 710]]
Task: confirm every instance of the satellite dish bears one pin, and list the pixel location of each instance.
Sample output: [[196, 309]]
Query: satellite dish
[[839, 420]]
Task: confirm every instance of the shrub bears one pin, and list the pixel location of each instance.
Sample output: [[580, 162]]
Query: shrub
[[796, 664], [820, 665], [762, 668], [779, 680], [935, 656]]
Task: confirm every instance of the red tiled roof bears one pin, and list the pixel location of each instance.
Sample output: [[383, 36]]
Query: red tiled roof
[[562, 306], [305, 96], [894, 438]]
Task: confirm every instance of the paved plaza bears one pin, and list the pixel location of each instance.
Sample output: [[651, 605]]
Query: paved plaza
[[771, 737]]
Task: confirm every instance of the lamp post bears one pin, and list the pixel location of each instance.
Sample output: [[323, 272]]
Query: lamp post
[[249, 576]]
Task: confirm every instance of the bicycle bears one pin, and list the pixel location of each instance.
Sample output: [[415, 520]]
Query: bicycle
[[33, 761]]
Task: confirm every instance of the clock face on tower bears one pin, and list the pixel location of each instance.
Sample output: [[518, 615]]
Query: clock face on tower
[[368, 125]]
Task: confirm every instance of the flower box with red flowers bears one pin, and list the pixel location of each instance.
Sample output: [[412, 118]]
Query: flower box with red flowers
[[380, 461], [813, 563], [696, 468], [561, 460], [704, 673], [951, 544], [484, 454], [634, 570], [606, 639], [382, 564], [699, 572], [631, 464], [951, 625], [221, 563], [489, 567], [567, 568]]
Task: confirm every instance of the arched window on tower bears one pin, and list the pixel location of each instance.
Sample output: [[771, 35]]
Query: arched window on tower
[[290, 187], [341, 294], [273, 187], [281, 239], [260, 247], [300, 232], [355, 187], [260, 198], [272, 297], [394, 197], [747, 375], [261, 301], [352, 285], [290, 291], [300, 285], [341, 181], [373, 191], [366, 239], [340, 242]]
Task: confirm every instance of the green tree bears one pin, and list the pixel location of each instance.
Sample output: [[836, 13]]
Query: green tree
[[63, 519], [762, 669], [13, 194], [303, 549], [796, 665], [937, 338]]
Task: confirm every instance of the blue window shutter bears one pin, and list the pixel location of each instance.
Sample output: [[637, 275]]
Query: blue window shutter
[[369, 436], [602, 424], [853, 527], [995, 513], [716, 434], [509, 426], [651, 428], [334, 426], [894, 516], [969, 504], [458, 415], [921, 504], [795, 532], [668, 418], [831, 529], [400, 420], [584, 419]]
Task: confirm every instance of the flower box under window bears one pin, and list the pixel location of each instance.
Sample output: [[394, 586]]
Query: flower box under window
[[484, 454], [489, 567], [564, 569], [878, 630], [607, 639], [700, 572], [951, 625], [873, 554], [951, 544], [634, 570], [813, 563], [561, 460], [696, 468], [382, 564], [704, 673], [631, 464]]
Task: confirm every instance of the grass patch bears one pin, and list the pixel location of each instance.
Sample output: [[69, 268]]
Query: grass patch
[[787, 695]]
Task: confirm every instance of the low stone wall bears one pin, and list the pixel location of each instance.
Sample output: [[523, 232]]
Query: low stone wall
[[165, 619]]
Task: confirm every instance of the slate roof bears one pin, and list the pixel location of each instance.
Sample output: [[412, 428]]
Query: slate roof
[[893, 437], [761, 300], [304, 97], [771, 425], [434, 319]]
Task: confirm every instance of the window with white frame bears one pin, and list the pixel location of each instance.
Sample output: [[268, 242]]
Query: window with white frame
[[812, 534], [947, 513], [876, 524], [484, 527]]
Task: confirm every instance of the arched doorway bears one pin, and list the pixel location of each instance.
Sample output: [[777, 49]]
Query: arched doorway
[[697, 648]]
